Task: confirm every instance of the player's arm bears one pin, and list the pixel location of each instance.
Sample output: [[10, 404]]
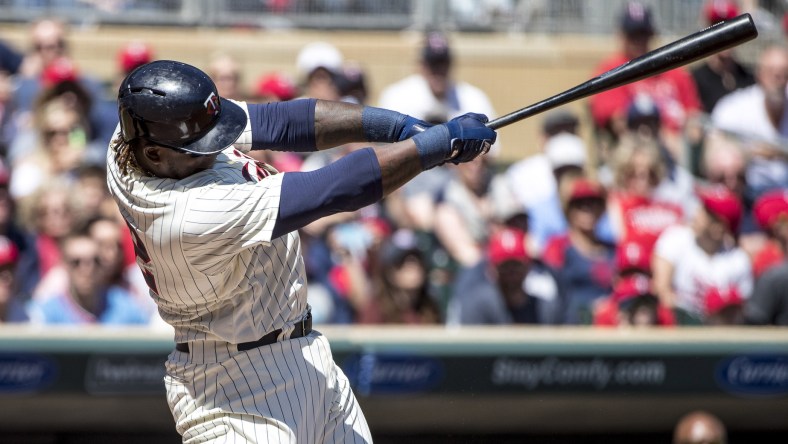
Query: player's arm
[[309, 125], [366, 176]]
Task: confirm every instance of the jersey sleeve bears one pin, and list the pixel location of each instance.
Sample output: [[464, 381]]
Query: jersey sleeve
[[283, 126], [244, 143], [226, 218]]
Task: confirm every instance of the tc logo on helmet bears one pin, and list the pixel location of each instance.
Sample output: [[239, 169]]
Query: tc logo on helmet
[[212, 104]]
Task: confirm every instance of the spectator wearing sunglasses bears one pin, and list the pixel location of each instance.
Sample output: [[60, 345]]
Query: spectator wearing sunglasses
[[87, 297]]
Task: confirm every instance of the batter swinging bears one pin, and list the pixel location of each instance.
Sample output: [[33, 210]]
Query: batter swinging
[[216, 238]]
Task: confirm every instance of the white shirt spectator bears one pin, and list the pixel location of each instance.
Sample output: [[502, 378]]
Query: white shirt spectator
[[695, 272]]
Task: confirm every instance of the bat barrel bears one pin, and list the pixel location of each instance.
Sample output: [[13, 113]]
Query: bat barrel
[[694, 47]]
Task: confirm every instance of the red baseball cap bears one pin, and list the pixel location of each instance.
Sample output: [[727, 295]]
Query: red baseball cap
[[630, 287], [716, 299], [632, 256], [586, 189], [60, 70], [507, 244], [8, 251], [723, 204], [716, 11], [133, 55], [770, 208], [277, 85]]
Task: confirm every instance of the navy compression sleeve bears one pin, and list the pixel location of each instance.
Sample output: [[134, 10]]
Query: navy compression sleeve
[[348, 184], [283, 126]]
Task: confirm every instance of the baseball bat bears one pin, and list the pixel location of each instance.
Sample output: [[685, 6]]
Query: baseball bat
[[721, 36]]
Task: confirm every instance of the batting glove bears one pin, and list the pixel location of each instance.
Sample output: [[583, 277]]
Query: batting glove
[[470, 137], [461, 139], [412, 126]]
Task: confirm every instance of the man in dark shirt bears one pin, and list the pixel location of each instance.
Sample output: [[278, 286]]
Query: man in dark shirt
[[505, 288], [720, 73]]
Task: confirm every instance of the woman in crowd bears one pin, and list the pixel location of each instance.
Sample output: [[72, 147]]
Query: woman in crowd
[[636, 215], [400, 288]]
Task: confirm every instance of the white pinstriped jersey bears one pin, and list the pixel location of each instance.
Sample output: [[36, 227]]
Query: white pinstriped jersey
[[204, 244]]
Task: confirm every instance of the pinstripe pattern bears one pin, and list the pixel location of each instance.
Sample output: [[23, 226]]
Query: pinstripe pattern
[[288, 392], [219, 279]]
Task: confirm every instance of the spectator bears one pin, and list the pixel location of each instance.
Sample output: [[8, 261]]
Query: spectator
[[691, 263], [677, 185], [11, 302], [27, 263], [49, 213], [131, 56], [63, 136], [318, 64], [401, 288], [769, 211], [673, 91], [274, 87], [434, 95], [632, 304], [636, 214], [531, 178], [582, 263], [10, 59], [86, 298], [757, 116], [91, 195], [226, 74], [723, 307], [434, 87], [48, 37], [277, 87], [566, 159], [769, 301], [108, 234], [464, 214], [48, 42], [7, 121], [721, 72], [699, 427], [506, 287], [62, 83], [352, 83]]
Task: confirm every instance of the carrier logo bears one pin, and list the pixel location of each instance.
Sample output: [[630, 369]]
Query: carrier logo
[[375, 374], [762, 375], [25, 373], [212, 104]]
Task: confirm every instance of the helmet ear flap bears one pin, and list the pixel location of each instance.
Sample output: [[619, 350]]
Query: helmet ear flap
[[130, 128]]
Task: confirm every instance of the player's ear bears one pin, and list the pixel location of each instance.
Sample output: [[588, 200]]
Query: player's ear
[[152, 153]]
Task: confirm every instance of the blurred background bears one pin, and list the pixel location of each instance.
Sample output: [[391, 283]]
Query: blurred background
[[614, 271]]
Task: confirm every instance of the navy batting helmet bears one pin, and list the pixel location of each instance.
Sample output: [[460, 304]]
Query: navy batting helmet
[[177, 106]]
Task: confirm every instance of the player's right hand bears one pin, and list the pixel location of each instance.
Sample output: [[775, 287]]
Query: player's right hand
[[470, 137]]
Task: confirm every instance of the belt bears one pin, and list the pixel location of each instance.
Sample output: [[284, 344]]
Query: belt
[[300, 329]]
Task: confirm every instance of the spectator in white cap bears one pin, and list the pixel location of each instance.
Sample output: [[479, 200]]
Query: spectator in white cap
[[434, 95], [318, 64], [566, 158]]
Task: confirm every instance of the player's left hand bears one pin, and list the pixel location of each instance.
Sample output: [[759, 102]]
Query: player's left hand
[[412, 126], [470, 137]]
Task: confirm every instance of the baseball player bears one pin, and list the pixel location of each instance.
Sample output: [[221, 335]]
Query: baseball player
[[216, 238]]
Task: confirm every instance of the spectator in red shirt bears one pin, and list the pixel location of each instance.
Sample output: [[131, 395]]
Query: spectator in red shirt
[[771, 213], [636, 213], [674, 91], [632, 304]]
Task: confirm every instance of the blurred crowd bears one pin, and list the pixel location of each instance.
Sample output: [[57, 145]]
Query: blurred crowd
[[675, 213]]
